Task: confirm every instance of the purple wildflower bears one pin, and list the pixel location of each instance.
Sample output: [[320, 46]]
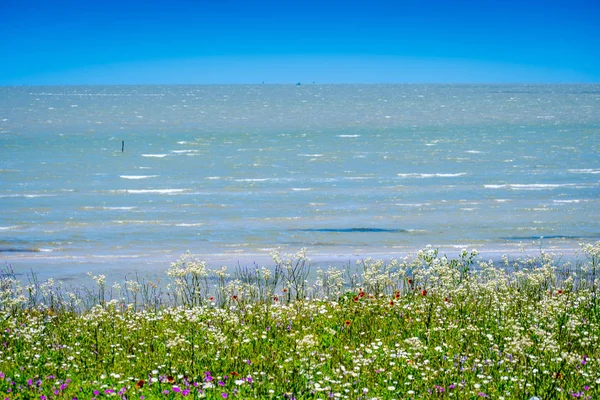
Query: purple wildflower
[[224, 395]]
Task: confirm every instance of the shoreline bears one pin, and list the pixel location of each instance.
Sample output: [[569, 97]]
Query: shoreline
[[73, 269]]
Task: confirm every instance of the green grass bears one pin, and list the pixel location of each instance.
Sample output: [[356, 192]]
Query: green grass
[[423, 327]]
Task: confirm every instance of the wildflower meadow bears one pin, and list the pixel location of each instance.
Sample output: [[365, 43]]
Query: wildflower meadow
[[427, 326]]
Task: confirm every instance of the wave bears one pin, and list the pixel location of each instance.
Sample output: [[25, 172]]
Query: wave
[[188, 225], [539, 237], [310, 155], [348, 136], [254, 180], [151, 191], [137, 176], [18, 250], [531, 186], [154, 155], [585, 171], [92, 208], [570, 201], [352, 230], [436, 175], [183, 151], [8, 228], [28, 196]]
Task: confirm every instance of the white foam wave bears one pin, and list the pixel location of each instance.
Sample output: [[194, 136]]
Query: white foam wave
[[437, 175], [118, 208], [8, 228], [530, 186], [348, 136], [43, 250], [569, 201], [189, 225], [301, 189], [212, 178], [152, 191], [310, 155], [585, 171], [31, 196], [253, 180], [473, 152], [183, 151], [154, 155], [137, 176], [28, 196]]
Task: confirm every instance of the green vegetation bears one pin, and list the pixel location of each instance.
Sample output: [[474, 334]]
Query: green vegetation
[[423, 327]]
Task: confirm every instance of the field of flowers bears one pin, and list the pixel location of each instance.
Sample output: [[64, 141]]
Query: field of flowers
[[426, 326]]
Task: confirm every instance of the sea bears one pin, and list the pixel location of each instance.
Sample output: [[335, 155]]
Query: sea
[[125, 179]]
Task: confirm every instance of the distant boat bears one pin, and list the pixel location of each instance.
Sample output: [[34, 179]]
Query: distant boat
[[298, 84]]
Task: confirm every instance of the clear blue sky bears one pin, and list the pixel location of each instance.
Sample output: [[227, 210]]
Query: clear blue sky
[[279, 41]]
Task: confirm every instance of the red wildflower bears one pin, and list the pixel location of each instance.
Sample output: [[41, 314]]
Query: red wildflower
[[423, 292]]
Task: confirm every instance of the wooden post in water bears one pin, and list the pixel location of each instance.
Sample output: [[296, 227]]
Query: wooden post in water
[[122, 146]]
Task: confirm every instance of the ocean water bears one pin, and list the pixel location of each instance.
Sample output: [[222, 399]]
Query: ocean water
[[231, 173]]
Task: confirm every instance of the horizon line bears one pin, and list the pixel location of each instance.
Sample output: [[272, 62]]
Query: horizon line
[[492, 83]]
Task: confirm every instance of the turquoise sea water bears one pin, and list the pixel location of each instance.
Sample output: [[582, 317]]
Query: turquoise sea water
[[232, 172]]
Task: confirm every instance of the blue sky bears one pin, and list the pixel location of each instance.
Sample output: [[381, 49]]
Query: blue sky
[[326, 41]]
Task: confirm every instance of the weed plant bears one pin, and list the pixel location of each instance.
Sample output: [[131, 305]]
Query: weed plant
[[426, 326]]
